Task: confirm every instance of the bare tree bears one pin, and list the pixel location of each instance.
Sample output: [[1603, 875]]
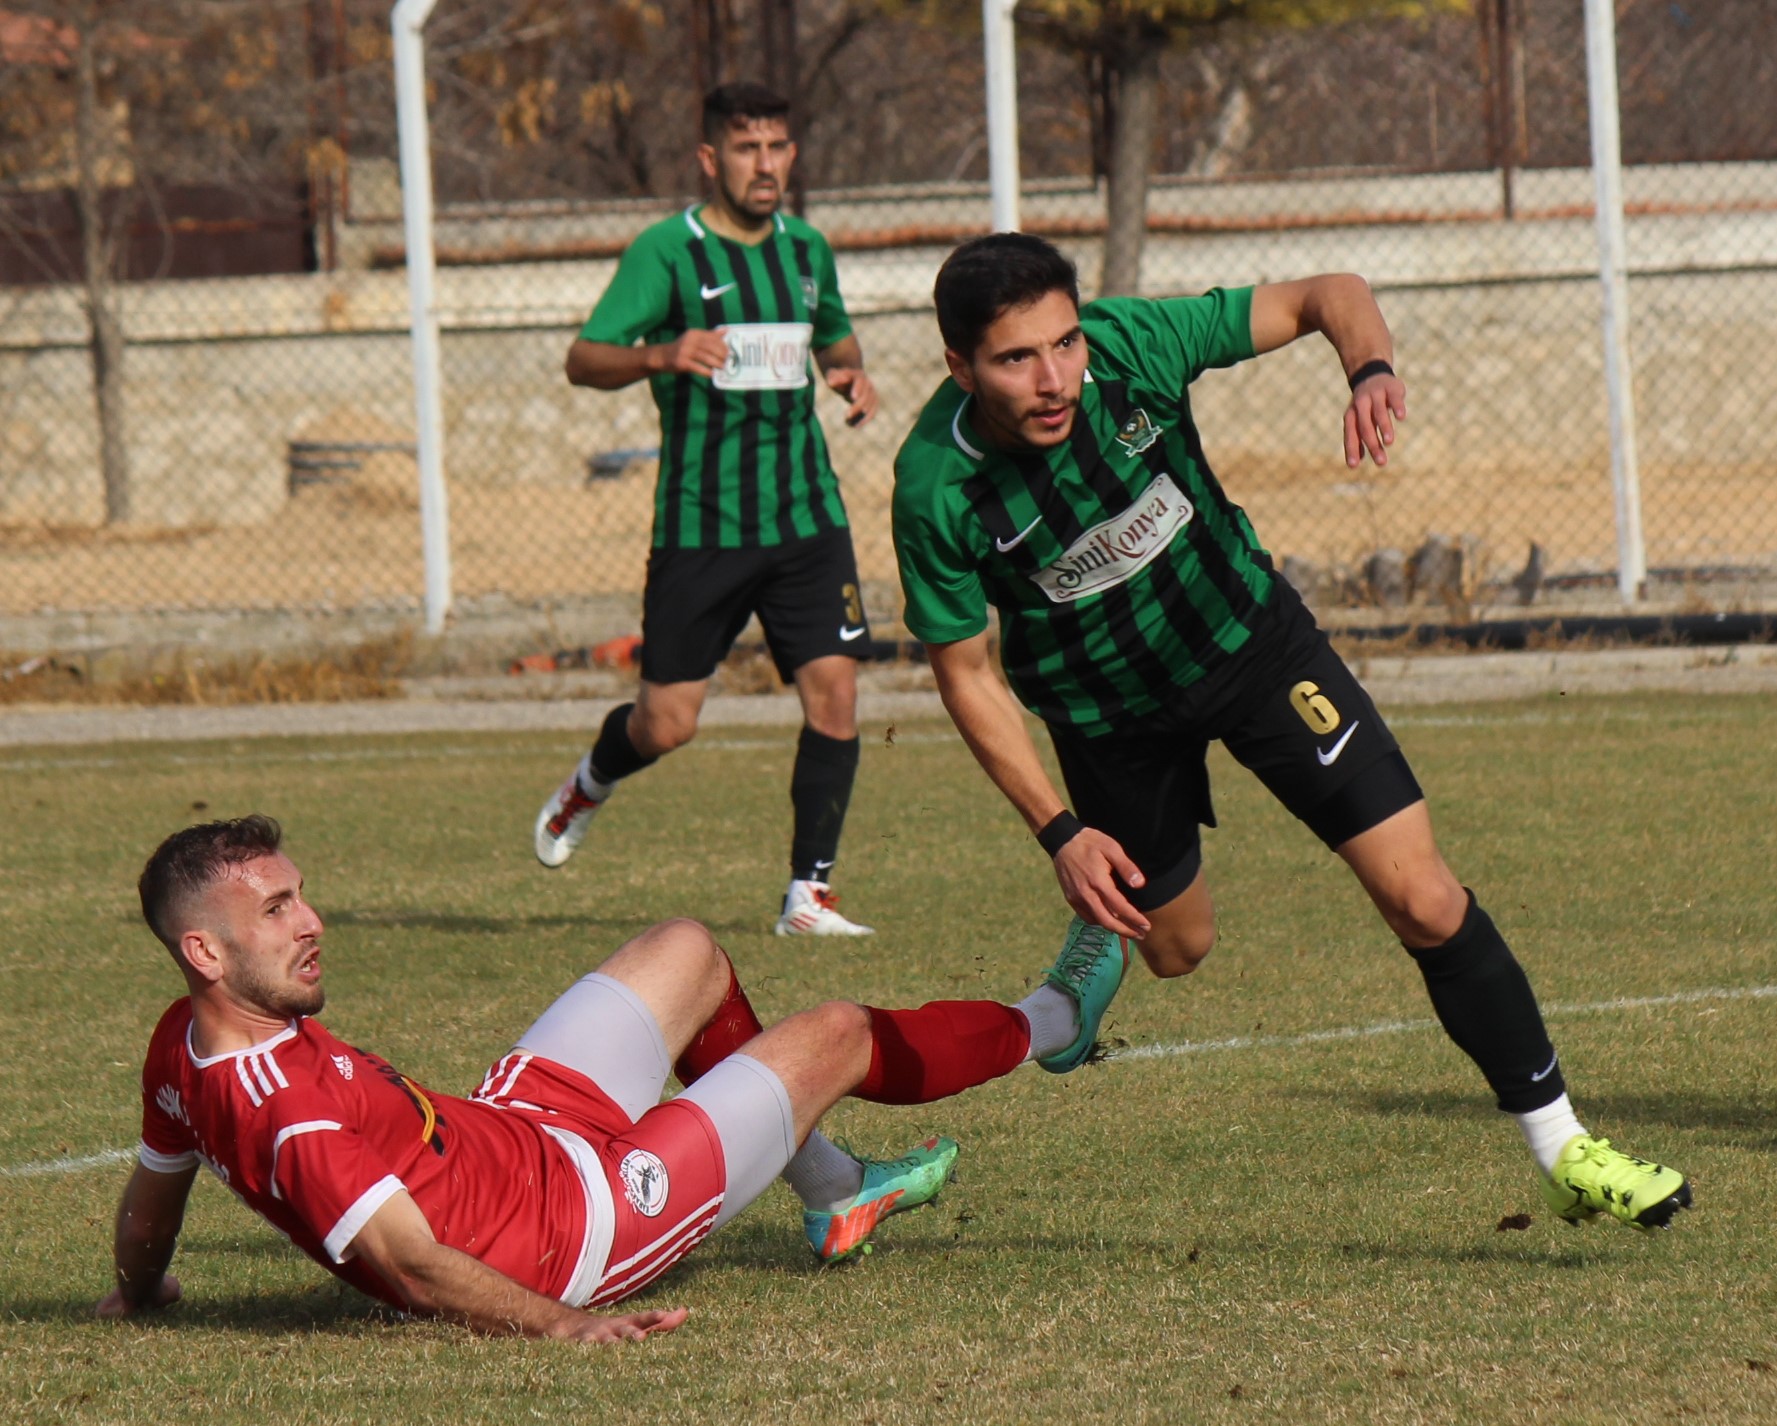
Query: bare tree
[[98, 250], [1123, 41]]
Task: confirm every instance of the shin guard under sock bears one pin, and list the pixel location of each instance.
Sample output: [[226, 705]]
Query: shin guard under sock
[[1484, 1001], [613, 756], [941, 1049], [733, 1024], [820, 791]]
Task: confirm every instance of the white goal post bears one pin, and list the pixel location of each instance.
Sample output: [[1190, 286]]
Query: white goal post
[[408, 20]]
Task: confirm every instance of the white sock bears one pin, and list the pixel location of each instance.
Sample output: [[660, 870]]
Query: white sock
[[823, 1175], [1054, 1021], [588, 780], [1547, 1131]]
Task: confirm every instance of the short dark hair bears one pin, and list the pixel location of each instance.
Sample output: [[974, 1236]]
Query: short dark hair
[[990, 275], [185, 865], [740, 103]]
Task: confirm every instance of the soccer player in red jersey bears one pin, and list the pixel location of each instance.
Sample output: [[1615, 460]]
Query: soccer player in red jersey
[[562, 1182]]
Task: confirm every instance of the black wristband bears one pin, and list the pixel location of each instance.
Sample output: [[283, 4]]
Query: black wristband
[[1059, 830], [1369, 369]]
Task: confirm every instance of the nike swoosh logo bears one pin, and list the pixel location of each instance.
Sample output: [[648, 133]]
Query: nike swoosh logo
[[1004, 545], [1331, 755], [1538, 1078], [709, 292], [849, 634]]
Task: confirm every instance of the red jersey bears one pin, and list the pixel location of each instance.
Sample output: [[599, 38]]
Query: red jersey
[[314, 1136]]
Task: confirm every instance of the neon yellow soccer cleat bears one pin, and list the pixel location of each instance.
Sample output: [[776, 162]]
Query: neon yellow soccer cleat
[[1591, 1178]]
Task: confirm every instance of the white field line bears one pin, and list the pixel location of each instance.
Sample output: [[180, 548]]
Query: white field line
[[1397, 1027], [57, 1166], [1401, 719], [1148, 1052], [377, 755], [1404, 719]]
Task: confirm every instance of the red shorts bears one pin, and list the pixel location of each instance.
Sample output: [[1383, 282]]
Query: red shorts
[[666, 1171], [668, 1179]]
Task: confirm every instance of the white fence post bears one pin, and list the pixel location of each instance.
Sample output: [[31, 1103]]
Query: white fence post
[[1613, 264], [407, 20], [998, 34]]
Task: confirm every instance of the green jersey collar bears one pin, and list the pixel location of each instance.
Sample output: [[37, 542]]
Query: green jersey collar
[[703, 232]]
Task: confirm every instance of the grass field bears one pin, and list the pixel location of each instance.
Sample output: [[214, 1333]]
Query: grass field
[[1280, 1201]]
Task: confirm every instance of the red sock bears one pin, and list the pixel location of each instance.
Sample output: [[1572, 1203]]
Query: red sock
[[727, 1030], [942, 1049]]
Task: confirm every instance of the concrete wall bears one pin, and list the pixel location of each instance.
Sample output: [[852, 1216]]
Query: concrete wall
[[1497, 325]]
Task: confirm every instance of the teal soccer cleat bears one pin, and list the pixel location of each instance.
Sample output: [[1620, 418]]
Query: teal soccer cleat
[[1088, 971], [891, 1186]]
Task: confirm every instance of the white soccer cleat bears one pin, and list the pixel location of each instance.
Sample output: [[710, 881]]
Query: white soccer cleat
[[562, 824], [811, 909]]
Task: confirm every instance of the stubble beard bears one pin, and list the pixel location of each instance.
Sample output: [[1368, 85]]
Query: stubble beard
[[746, 210], [274, 997], [1012, 425]]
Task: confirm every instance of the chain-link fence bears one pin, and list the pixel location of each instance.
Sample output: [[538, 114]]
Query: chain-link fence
[[246, 443]]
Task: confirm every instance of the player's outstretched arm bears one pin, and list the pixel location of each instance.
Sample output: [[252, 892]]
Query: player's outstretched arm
[[397, 1243], [1341, 307], [606, 366], [992, 724], [148, 1221]]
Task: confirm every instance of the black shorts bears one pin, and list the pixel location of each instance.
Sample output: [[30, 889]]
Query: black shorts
[[1288, 709], [696, 602]]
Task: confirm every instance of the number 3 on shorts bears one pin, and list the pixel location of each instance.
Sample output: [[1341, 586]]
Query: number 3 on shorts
[[1314, 708]]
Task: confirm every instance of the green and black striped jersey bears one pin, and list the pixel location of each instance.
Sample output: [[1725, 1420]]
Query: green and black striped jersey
[[743, 463], [1120, 569]]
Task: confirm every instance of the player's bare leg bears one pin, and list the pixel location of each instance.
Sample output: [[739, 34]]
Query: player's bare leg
[[820, 790], [1400, 867], [1486, 1005], [1182, 932], [664, 716], [679, 972]]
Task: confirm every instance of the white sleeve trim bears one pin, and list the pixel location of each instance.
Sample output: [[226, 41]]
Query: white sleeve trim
[[290, 1131], [165, 1163], [352, 1221]]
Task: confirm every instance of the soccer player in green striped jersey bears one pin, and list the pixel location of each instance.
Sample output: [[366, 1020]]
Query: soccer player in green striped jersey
[[720, 309], [1058, 476]]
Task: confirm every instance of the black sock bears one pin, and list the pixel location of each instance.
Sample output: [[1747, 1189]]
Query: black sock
[[820, 790], [1486, 1005], [613, 756]]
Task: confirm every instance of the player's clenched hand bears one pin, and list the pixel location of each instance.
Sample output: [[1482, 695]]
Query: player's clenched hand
[[629, 1327], [1375, 406], [1087, 866], [114, 1305], [695, 353], [857, 388]]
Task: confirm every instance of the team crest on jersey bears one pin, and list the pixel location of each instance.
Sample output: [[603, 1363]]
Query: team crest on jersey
[[644, 1181], [811, 291], [343, 1063], [1137, 433], [170, 1104]]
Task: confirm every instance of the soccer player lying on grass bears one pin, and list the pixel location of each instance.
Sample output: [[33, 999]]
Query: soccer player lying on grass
[[562, 1182], [1058, 476]]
